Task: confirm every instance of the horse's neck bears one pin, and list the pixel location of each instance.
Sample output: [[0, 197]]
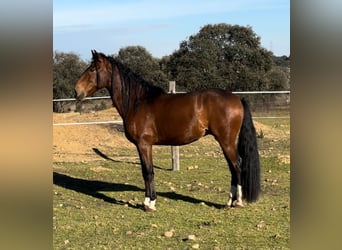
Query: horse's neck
[[116, 91], [116, 100], [123, 102]]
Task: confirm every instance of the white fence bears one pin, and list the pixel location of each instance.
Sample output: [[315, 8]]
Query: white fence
[[234, 92], [120, 122]]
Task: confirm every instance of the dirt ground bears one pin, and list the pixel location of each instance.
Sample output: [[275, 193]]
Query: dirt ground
[[76, 143]]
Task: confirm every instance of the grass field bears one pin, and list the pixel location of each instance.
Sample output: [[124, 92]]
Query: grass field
[[96, 203]]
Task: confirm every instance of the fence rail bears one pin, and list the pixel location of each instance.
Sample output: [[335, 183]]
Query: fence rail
[[234, 92], [120, 122]]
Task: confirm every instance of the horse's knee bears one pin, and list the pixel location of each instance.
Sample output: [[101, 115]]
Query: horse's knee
[[148, 173]]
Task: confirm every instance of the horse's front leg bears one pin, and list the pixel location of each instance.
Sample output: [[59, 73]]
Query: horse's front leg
[[145, 154]]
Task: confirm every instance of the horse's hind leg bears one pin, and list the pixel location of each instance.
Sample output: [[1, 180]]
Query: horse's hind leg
[[236, 188], [234, 161]]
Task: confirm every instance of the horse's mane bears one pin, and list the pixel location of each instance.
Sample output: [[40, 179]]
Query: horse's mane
[[147, 89], [134, 88]]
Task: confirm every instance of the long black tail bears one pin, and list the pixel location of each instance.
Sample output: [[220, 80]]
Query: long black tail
[[248, 151]]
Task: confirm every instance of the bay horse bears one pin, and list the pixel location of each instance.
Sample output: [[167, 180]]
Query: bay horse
[[153, 117]]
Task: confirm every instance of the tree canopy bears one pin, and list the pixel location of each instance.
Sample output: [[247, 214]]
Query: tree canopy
[[221, 55], [67, 68], [141, 62], [218, 56]]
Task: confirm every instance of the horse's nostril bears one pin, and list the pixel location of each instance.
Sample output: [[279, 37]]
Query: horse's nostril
[[78, 96]]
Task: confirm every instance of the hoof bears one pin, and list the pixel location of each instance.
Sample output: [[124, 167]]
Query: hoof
[[148, 209], [234, 205], [239, 205]]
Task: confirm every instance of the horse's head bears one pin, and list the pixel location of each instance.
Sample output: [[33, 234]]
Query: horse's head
[[95, 77]]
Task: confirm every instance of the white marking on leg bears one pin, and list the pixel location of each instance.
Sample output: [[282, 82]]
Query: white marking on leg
[[239, 192], [147, 201], [231, 195], [152, 205], [239, 196], [230, 201]]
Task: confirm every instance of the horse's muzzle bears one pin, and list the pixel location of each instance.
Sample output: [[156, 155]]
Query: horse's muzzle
[[79, 96]]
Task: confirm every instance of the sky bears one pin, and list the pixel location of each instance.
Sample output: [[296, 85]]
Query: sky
[[107, 26]]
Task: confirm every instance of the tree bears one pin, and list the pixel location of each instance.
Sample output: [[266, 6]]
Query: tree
[[141, 62], [67, 68], [278, 78], [221, 55], [283, 61]]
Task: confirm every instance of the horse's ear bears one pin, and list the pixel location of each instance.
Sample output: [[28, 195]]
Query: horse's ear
[[94, 54]]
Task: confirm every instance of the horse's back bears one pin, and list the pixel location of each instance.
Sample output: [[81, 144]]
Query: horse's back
[[202, 105], [221, 100], [188, 116]]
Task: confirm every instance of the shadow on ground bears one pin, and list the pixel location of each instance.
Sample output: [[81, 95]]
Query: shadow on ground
[[93, 188]]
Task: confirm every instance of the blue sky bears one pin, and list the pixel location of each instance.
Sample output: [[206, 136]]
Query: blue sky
[[82, 25]]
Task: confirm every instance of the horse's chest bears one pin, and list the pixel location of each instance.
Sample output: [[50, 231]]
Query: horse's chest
[[140, 127]]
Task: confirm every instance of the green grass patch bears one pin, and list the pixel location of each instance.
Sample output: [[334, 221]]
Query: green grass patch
[[96, 204]]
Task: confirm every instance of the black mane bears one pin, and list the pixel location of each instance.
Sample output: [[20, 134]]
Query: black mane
[[135, 81], [135, 89]]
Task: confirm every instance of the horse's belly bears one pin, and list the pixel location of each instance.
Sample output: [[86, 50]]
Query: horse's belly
[[179, 131], [176, 141], [179, 120]]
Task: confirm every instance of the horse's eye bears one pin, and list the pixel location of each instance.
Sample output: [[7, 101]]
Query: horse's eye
[[92, 69]]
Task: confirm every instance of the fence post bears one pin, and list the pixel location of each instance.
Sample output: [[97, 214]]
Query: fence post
[[174, 149]]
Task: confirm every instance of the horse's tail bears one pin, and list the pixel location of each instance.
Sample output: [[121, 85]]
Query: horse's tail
[[248, 151]]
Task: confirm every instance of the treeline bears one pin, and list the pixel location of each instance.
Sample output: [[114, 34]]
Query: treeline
[[218, 56]]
